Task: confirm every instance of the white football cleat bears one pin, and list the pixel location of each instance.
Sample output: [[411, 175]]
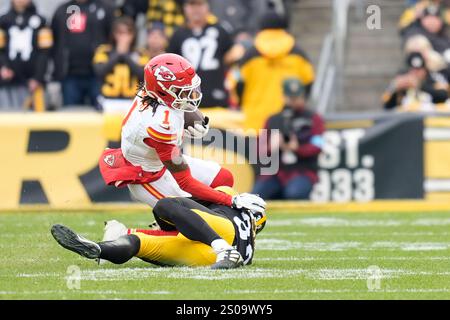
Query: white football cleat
[[228, 259], [113, 231]]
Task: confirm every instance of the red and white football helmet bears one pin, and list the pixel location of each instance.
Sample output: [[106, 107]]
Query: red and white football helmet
[[172, 80]]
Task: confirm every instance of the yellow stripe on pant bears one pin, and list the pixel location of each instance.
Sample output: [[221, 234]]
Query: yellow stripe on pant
[[180, 251]]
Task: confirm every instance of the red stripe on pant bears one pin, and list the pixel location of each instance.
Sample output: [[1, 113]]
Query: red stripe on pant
[[153, 232]]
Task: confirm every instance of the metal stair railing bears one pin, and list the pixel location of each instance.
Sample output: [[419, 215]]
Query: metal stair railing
[[327, 88]]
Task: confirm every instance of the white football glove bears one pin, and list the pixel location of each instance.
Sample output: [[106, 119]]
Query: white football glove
[[197, 131], [249, 201]]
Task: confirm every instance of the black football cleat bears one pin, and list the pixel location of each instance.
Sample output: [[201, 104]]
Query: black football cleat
[[228, 259], [74, 242]]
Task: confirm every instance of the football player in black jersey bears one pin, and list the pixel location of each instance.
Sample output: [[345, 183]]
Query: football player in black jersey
[[206, 44], [191, 234]]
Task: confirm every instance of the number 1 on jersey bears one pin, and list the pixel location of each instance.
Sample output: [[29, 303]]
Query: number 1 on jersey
[[166, 123]]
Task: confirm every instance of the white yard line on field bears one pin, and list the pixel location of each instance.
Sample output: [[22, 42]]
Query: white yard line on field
[[100, 292], [375, 258], [355, 234], [431, 222], [363, 274], [141, 274], [286, 245], [334, 222], [187, 273], [62, 293], [354, 222], [411, 246], [35, 260], [276, 291]]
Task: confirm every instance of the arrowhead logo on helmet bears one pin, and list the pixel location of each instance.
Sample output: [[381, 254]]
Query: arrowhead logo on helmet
[[172, 81], [162, 73]]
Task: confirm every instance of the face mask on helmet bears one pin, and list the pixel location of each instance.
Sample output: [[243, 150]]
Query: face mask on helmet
[[187, 98], [260, 219]]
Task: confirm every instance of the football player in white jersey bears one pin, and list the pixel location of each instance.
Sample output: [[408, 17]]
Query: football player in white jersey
[[150, 161]]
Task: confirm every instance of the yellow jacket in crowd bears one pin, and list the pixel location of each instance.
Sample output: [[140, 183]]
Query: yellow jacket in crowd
[[410, 15], [273, 58]]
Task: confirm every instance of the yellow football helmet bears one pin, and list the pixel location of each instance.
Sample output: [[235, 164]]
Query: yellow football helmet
[[261, 219]]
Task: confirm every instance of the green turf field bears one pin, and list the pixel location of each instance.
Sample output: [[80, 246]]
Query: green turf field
[[298, 256]]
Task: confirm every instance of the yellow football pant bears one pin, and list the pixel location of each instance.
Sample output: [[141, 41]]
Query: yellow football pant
[[179, 250]]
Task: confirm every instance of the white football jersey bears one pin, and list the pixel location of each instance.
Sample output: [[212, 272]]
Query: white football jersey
[[166, 125]]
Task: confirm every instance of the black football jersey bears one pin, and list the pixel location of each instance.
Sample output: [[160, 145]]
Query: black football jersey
[[119, 75], [24, 44], [205, 49], [245, 237]]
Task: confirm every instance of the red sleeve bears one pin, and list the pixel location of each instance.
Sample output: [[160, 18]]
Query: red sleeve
[[165, 151], [200, 190], [308, 149], [184, 178]]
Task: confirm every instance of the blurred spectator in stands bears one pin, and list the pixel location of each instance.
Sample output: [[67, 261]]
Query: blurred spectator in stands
[[244, 15], [431, 19], [79, 27], [206, 44], [167, 12], [434, 61], [24, 47], [243, 41], [241, 19], [120, 67], [297, 133], [157, 41], [4, 6], [414, 12], [273, 57], [417, 89], [410, 3]]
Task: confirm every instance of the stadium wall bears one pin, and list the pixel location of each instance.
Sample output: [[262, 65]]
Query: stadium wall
[[49, 161]]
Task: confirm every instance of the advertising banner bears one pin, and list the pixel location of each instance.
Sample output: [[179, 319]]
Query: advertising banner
[[52, 159]]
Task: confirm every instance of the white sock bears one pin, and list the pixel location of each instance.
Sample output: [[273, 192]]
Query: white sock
[[219, 245]]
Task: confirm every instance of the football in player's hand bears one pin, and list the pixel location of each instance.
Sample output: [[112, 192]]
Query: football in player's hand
[[191, 118]]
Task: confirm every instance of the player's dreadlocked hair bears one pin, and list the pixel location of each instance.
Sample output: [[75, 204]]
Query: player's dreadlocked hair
[[147, 100]]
